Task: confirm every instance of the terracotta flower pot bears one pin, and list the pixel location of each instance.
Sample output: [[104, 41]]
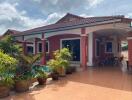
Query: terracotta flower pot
[[22, 85], [62, 72], [4, 91], [42, 81]]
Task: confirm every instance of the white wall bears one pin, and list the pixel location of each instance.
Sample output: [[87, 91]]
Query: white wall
[[72, 31]]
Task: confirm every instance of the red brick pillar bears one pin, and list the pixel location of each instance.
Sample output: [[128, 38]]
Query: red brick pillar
[[84, 45], [35, 44], [43, 60]]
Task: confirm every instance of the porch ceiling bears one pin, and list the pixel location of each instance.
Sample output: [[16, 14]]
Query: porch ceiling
[[120, 33]]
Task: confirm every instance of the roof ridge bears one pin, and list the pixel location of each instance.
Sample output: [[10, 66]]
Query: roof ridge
[[84, 20], [114, 16]]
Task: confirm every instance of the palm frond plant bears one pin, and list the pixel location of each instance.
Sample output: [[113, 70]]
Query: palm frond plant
[[7, 72], [60, 61], [24, 72], [54, 65], [63, 56]]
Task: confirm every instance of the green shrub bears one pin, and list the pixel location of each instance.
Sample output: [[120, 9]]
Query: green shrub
[[24, 69], [61, 59], [7, 69]]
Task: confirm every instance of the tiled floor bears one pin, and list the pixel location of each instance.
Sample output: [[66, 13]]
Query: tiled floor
[[106, 83]]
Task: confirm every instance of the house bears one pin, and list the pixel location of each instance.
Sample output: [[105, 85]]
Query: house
[[9, 32], [89, 39]]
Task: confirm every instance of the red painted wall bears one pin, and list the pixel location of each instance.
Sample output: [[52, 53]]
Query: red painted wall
[[54, 42], [130, 51]]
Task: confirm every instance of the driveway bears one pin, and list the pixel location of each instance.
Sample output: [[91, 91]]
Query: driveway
[[102, 83]]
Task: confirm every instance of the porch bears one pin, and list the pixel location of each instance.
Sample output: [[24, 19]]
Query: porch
[[96, 83]]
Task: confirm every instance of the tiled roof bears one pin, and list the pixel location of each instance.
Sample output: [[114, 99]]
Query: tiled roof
[[69, 17], [81, 21], [10, 32]]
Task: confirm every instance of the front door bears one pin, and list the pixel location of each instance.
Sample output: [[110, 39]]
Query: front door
[[74, 47]]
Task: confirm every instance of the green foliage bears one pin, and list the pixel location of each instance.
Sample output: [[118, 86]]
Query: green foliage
[[62, 54], [29, 60], [8, 45], [7, 69], [62, 58], [54, 65], [24, 70], [39, 72]]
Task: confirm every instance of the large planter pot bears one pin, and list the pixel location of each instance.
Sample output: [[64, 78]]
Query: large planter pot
[[69, 70], [42, 81], [22, 85], [62, 72], [55, 76], [4, 91]]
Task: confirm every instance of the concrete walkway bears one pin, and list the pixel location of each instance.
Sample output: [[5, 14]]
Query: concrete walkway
[[94, 84]]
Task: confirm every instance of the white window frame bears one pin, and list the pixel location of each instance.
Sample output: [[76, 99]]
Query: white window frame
[[45, 46], [72, 39], [106, 47]]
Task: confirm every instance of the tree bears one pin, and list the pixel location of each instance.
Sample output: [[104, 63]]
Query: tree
[[8, 45]]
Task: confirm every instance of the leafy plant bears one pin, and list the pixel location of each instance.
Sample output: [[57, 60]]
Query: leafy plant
[[54, 65], [61, 59], [39, 72], [24, 69], [7, 69], [8, 45]]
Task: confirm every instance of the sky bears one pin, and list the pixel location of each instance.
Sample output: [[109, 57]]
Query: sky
[[26, 14]]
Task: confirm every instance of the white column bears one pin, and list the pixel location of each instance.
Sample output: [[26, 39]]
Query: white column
[[90, 49], [115, 46]]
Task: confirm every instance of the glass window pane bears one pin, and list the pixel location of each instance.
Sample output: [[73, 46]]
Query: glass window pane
[[40, 47], [109, 47], [47, 47], [30, 49]]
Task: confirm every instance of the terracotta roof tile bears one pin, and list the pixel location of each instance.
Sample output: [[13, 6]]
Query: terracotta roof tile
[[80, 21]]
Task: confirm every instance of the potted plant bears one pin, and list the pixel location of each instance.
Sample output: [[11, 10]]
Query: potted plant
[[7, 72], [60, 62], [22, 81], [63, 56], [40, 74], [53, 64], [24, 72]]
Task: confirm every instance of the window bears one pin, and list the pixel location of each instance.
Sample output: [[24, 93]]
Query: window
[[30, 49], [108, 47], [74, 47], [40, 46], [47, 46]]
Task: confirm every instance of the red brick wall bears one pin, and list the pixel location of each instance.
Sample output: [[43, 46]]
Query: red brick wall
[[130, 51], [54, 42]]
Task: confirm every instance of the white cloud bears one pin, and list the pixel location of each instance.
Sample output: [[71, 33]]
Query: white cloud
[[53, 17], [94, 2], [85, 15], [129, 15], [10, 17]]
